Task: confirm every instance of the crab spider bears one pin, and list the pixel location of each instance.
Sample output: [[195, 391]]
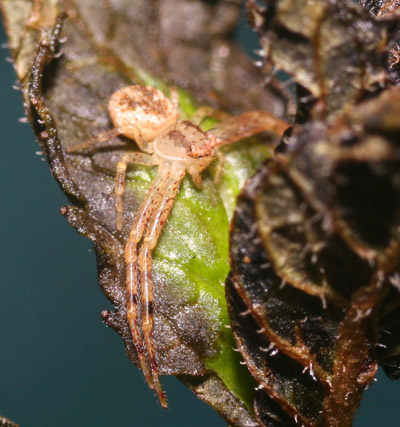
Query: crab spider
[[177, 147]]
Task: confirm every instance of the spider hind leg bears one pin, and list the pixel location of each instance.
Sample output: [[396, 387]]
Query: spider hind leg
[[101, 137]]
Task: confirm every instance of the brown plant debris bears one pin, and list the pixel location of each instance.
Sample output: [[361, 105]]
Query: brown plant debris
[[315, 305], [314, 286], [334, 49]]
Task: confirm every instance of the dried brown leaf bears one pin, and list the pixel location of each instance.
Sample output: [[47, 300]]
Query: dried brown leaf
[[315, 250]]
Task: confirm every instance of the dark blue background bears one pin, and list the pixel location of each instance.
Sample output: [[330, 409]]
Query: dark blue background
[[59, 365]]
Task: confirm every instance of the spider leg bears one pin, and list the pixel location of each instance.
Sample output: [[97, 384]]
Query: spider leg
[[144, 215], [150, 239], [140, 158], [220, 166], [196, 176], [247, 124], [236, 128], [101, 137]]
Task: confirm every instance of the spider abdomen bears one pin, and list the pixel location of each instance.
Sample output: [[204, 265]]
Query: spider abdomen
[[141, 113]]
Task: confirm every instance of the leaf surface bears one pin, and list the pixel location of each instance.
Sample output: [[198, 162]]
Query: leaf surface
[[109, 47]]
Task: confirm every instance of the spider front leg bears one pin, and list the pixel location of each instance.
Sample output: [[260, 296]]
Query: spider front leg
[[151, 217], [142, 219], [172, 181], [236, 128], [245, 125]]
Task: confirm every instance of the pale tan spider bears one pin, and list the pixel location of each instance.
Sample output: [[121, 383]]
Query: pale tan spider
[[177, 147]]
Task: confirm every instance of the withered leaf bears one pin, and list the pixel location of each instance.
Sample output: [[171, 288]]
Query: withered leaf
[[315, 251], [313, 293], [334, 49], [105, 49]]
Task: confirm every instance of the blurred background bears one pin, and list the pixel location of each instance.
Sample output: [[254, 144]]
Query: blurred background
[[59, 365]]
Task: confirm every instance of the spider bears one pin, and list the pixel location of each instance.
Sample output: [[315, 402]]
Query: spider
[[177, 147]]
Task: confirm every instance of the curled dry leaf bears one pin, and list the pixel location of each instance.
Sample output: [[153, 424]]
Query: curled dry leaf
[[334, 49], [313, 293], [66, 92]]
